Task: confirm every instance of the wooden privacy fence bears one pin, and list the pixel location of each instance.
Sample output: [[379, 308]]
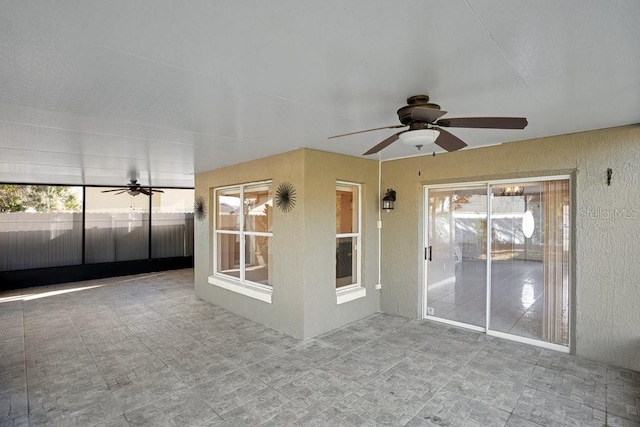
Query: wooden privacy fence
[[36, 240]]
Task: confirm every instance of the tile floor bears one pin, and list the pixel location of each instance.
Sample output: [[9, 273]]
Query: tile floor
[[517, 297], [142, 350]]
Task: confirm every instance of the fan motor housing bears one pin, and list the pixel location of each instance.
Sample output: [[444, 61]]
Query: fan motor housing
[[404, 113]]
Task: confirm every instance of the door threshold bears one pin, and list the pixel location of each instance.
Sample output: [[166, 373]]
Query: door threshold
[[509, 337]]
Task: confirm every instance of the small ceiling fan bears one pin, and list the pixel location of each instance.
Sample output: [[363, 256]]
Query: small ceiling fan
[[422, 119], [133, 189]]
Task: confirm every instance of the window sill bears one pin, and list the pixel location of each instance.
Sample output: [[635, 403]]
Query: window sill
[[243, 289], [350, 294]]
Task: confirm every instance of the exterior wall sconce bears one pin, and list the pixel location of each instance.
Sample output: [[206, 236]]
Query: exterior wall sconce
[[388, 199]]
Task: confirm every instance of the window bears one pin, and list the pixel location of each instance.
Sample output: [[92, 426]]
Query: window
[[242, 239], [348, 239]]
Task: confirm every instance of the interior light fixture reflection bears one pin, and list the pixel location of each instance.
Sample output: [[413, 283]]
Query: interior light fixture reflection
[[527, 295], [528, 224]]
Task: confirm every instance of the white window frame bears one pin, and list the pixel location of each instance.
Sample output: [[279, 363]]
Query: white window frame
[[355, 290], [239, 285]]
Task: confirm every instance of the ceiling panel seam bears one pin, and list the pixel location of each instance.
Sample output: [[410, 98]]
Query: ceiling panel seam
[[502, 52]]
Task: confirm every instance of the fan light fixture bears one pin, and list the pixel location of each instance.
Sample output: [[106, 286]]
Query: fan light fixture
[[419, 137], [422, 118]]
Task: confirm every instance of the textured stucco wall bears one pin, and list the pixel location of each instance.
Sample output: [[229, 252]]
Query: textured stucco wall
[[304, 297], [285, 313], [606, 273], [322, 170]]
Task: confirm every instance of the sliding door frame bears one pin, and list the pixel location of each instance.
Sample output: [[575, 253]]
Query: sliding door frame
[[486, 329]]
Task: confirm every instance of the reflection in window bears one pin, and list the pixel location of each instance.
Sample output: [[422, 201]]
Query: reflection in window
[[228, 250], [258, 205], [257, 259], [347, 234], [243, 233], [228, 209], [530, 235], [456, 270]]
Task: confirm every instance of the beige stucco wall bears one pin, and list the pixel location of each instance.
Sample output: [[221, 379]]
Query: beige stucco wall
[[606, 273], [303, 245], [285, 312], [322, 170]]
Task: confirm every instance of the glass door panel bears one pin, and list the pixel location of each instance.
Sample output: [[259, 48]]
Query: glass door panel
[[456, 263], [530, 260]]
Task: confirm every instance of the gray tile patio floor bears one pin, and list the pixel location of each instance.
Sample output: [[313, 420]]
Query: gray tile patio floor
[[142, 350]]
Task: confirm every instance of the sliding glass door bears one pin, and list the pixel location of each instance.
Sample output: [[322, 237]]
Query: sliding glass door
[[509, 241], [457, 254], [530, 260]]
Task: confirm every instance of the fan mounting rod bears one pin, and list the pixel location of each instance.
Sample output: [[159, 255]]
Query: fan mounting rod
[[418, 125]]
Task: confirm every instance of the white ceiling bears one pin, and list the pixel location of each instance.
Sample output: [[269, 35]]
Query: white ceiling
[[93, 91]]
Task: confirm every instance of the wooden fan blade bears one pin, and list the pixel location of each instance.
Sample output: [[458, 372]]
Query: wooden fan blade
[[121, 191], [448, 141], [383, 144], [426, 114], [368, 130], [157, 191], [143, 191], [110, 191], [485, 122]]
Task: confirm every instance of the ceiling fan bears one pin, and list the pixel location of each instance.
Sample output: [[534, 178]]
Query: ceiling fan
[[425, 126], [133, 189]]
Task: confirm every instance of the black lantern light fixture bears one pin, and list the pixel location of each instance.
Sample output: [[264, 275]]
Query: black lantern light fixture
[[388, 199]]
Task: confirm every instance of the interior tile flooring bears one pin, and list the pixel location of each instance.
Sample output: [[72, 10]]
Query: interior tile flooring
[[517, 297], [142, 350]]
